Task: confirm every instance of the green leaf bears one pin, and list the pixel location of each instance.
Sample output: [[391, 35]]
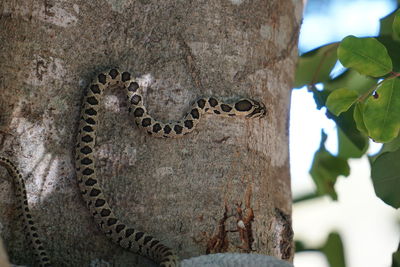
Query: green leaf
[[386, 24], [387, 147], [381, 112], [334, 251], [341, 100], [396, 25], [326, 168], [392, 47], [347, 149], [385, 174], [315, 66], [359, 119], [346, 123], [396, 259], [366, 55], [353, 80]]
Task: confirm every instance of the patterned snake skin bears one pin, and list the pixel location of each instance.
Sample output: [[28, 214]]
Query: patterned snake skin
[[31, 230], [109, 223], [120, 233]]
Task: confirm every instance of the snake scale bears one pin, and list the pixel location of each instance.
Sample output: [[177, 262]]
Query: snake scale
[[120, 233]]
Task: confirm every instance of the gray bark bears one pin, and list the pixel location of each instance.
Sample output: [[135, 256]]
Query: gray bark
[[177, 190]]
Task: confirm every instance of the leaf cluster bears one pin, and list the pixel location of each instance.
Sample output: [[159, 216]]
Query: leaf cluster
[[363, 101]]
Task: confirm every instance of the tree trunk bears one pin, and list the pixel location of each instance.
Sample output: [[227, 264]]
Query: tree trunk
[[177, 190]]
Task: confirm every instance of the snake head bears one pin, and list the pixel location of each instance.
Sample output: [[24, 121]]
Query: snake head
[[250, 108], [259, 110]]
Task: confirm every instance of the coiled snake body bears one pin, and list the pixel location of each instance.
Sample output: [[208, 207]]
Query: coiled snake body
[[126, 236]]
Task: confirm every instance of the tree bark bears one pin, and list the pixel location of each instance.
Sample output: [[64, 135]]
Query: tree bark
[[177, 190]]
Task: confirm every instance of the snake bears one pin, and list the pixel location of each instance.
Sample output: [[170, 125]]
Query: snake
[[31, 230], [93, 195], [122, 234]]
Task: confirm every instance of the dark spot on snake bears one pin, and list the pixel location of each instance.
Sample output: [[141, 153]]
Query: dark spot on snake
[[86, 150], [167, 129], [129, 245], [213, 102], [91, 111], [26, 202], [28, 216], [113, 73], [231, 115], [195, 113], [87, 139], [33, 228], [88, 128], [92, 100], [129, 232], [37, 241], [90, 121], [201, 103], [138, 112], [125, 76], [95, 89], [99, 202], [217, 112], [90, 182], [86, 161], [138, 236], [153, 243], [88, 171], [105, 212], [156, 128], [119, 228], [102, 78], [136, 99], [226, 108], [146, 122], [94, 192], [35, 235], [189, 124], [30, 222], [243, 105], [133, 86], [129, 109], [147, 239], [178, 129], [111, 221]]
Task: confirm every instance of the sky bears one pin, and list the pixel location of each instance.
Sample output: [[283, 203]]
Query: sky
[[369, 228]]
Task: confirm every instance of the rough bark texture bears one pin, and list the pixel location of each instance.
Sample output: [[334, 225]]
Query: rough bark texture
[[177, 190]]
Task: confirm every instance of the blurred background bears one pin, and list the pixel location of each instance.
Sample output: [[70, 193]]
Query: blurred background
[[366, 227]]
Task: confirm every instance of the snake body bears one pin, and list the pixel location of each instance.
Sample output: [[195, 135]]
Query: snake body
[[31, 230], [126, 236], [120, 233]]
